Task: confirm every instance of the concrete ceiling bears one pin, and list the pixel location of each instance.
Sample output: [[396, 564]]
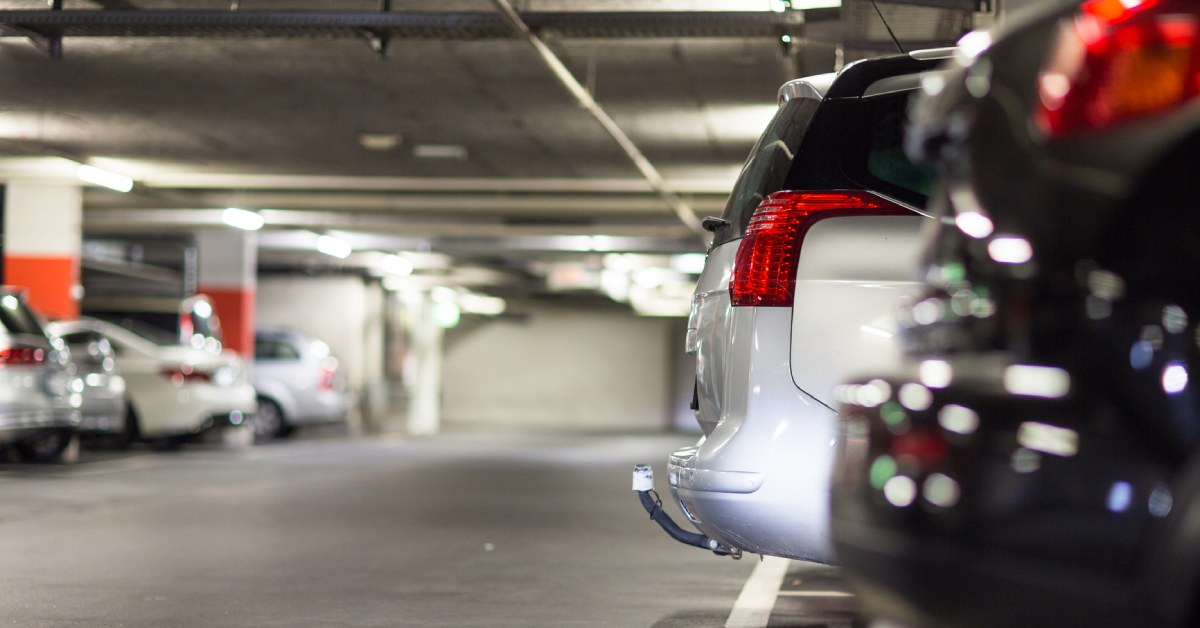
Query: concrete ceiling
[[458, 138]]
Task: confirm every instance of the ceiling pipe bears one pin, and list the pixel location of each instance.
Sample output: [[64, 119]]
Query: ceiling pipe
[[585, 100]]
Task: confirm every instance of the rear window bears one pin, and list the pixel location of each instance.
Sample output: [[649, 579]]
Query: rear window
[[17, 318], [158, 327], [767, 167], [266, 348], [851, 143], [857, 143]]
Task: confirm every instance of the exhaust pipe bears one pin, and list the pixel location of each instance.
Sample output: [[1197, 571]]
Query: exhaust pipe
[[643, 485]]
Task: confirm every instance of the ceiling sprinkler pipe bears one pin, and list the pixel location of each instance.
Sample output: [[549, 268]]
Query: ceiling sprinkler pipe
[[682, 210]]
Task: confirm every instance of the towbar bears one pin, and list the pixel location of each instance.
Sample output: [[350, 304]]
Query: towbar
[[643, 485]]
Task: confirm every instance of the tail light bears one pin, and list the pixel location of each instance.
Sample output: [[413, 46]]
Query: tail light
[[1119, 61], [328, 374], [18, 355], [185, 374], [764, 272]]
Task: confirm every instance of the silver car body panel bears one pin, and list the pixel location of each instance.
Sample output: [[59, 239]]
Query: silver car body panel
[[759, 478]]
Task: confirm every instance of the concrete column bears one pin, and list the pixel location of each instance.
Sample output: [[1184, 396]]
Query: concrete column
[[425, 396], [227, 271], [42, 238]]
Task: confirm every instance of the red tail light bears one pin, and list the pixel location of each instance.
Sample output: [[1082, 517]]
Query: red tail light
[[328, 373], [1120, 60], [924, 448], [764, 272], [179, 375], [21, 356]]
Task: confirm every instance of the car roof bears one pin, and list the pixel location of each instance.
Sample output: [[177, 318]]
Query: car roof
[[868, 77]]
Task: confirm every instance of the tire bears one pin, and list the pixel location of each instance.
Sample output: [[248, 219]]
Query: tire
[[51, 447], [268, 421], [128, 434]]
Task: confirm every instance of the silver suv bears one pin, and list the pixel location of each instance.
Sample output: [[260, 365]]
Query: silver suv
[[38, 414]]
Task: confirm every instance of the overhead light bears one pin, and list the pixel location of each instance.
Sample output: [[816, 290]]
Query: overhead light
[[334, 247], [104, 178], [396, 265], [379, 141], [440, 151], [689, 263], [482, 304], [242, 219]]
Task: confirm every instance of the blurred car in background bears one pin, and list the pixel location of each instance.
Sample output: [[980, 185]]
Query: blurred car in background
[[174, 391], [299, 382], [189, 321], [38, 416], [808, 263], [1035, 462], [100, 385]]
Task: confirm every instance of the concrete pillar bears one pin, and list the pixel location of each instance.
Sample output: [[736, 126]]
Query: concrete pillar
[[42, 238], [425, 395], [227, 271]]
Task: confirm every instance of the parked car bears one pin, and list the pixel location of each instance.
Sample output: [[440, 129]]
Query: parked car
[[174, 391], [299, 382], [100, 386], [808, 263], [189, 321], [1034, 462], [38, 416]]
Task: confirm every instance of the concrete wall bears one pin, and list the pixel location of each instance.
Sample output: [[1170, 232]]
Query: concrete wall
[[562, 368], [342, 311]]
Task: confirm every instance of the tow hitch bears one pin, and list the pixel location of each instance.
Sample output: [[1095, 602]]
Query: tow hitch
[[643, 485]]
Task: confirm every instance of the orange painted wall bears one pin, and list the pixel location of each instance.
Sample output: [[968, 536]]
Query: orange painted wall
[[48, 282], [235, 308]]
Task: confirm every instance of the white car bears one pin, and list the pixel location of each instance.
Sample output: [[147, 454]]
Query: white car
[[809, 262], [174, 391], [299, 382]]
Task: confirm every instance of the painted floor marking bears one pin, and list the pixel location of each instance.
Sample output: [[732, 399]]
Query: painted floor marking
[[753, 607]]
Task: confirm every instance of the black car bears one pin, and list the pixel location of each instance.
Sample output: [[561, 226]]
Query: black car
[[1036, 462]]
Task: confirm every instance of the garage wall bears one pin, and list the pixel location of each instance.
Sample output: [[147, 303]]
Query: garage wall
[[342, 311], [562, 368]]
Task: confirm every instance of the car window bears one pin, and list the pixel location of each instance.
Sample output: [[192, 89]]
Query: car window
[[274, 349], [767, 167], [856, 143], [161, 328], [80, 338], [17, 318]]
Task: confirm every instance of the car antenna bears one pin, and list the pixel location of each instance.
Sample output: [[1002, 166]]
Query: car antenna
[[888, 27]]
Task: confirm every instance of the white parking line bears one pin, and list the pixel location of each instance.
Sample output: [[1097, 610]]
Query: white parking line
[[753, 607]]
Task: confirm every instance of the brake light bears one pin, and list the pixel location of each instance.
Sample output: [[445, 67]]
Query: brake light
[[924, 448], [1119, 61], [18, 355], [764, 271], [185, 374], [328, 372]]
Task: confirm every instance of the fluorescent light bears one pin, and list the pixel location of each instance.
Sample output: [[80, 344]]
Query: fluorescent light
[[334, 247], [110, 180], [485, 305], [689, 263], [242, 219], [1048, 439], [396, 265], [440, 151]]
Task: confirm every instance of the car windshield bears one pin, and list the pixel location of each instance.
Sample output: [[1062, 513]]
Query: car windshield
[[18, 319]]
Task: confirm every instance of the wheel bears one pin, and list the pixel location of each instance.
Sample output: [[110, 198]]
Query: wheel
[[268, 422], [56, 446], [124, 438]]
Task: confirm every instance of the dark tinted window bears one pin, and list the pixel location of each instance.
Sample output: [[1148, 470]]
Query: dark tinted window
[[17, 318], [857, 144], [266, 348], [81, 338], [767, 167]]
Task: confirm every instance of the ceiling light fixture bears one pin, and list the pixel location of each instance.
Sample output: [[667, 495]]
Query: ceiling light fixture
[[242, 219], [440, 151], [396, 265], [334, 247], [104, 178], [379, 141]]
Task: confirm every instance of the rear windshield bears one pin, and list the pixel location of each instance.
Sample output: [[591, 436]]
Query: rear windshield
[[274, 348], [767, 167], [852, 143], [17, 318], [161, 328]]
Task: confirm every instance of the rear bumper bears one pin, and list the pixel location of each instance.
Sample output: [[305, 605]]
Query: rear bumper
[[761, 495], [18, 425]]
